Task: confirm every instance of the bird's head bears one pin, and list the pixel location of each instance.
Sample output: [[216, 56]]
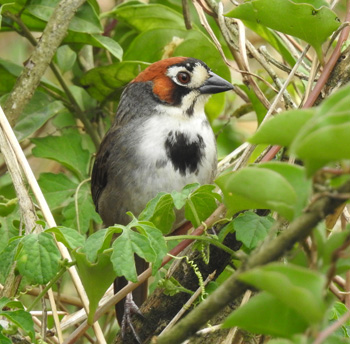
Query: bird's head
[[182, 82]]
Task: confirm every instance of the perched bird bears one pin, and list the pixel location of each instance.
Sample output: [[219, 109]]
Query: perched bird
[[160, 140]]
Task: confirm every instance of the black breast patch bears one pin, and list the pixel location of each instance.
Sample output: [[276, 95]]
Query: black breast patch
[[185, 156]]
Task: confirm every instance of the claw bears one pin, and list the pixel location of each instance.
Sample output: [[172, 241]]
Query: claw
[[130, 308]]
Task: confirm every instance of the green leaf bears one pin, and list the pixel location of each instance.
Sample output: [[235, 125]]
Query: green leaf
[[68, 236], [7, 257], [85, 20], [160, 211], [265, 314], [251, 228], [65, 149], [298, 19], [282, 128], [102, 82], [124, 248], [99, 241], [109, 44], [296, 177], [200, 204], [298, 288], [7, 229], [156, 241], [258, 188], [181, 197], [80, 214], [57, 188], [38, 258], [324, 145], [144, 17], [8, 303], [96, 278], [39, 110], [65, 58], [22, 319]]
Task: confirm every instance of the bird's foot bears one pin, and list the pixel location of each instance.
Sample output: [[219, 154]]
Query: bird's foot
[[130, 308]]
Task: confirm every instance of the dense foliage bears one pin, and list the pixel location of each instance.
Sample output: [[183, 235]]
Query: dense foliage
[[304, 297]]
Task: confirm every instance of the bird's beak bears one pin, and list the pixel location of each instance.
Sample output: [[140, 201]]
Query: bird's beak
[[215, 84]]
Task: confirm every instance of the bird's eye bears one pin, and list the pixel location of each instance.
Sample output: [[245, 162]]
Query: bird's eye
[[183, 77]]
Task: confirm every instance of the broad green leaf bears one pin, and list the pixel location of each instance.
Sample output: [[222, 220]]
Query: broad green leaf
[[82, 97], [7, 257], [8, 303], [109, 44], [68, 236], [39, 110], [336, 102], [296, 19], [296, 176], [180, 197], [57, 188], [85, 20], [65, 149], [251, 228], [99, 241], [38, 258], [265, 314], [125, 246], [22, 319], [324, 145], [102, 82], [200, 204], [65, 58], [76, 39], [7, 229], [282, 128], [80, 214], [96, 278], [7, 79], [258, 188], [298, 288], [160, 211], [145, 17], [156, 241]]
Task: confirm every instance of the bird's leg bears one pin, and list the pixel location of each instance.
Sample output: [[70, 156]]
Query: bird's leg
[[130, 308]]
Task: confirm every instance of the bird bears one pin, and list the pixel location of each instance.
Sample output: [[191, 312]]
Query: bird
[[160, 141]]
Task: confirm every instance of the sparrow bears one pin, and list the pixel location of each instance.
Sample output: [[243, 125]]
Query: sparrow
[[160, 141]]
